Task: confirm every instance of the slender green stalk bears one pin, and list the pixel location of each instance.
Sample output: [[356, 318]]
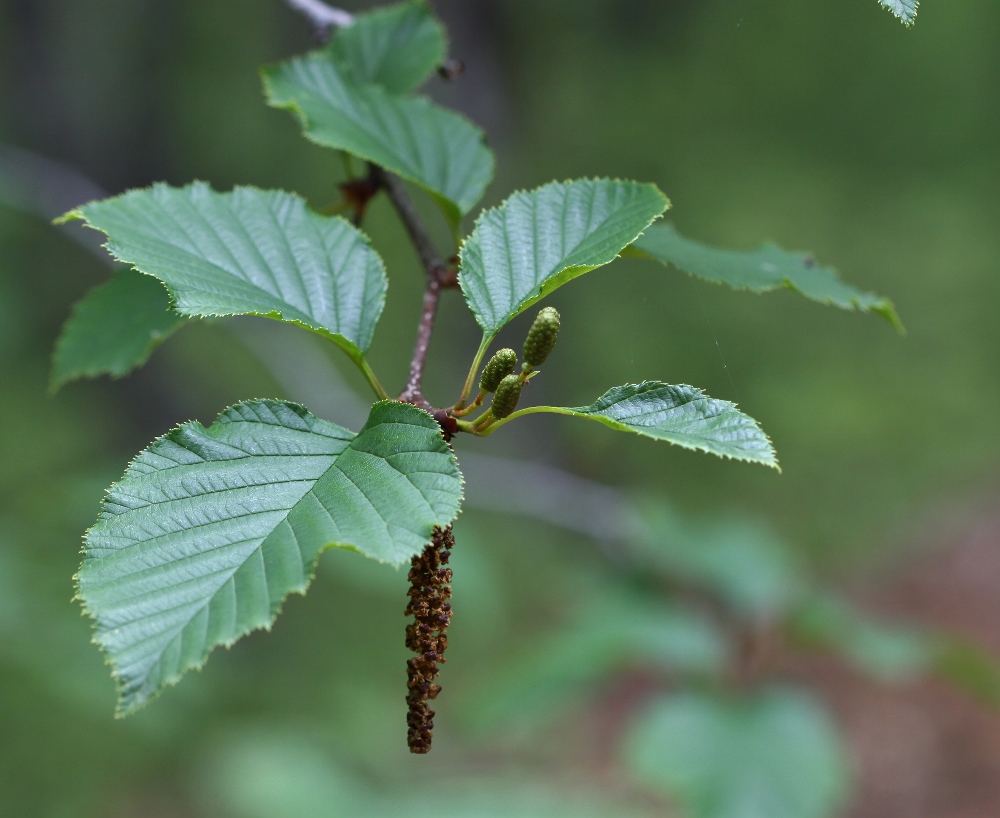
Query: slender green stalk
[[531, 410], [470, 381], [472, 407], [373, 381]]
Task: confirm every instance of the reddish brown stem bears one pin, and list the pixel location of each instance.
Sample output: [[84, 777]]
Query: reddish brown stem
[[413, 392], [439, 276]]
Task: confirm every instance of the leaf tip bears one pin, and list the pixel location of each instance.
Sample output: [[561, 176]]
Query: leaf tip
[[74, 215]]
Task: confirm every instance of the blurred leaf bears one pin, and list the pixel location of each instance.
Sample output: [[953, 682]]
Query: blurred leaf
[[773, 755], [433, 147], [968, 666], [114, 328], [265, 774], [271, 774], [608, 635], [889, 652], [682, 415], [210, 529], [249, 252], [894, 652], [761, 270], [905, 10], [397, 47], [740, 560], [536, 241]]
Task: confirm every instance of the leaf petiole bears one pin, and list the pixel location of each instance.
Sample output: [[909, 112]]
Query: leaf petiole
[[470, 380], [370, 376]]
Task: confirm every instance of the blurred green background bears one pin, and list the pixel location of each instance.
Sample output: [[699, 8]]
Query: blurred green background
[[822, 126]]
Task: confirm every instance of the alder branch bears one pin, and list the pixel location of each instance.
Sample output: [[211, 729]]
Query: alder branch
[[412, 221], [439, 276], [323, 18]]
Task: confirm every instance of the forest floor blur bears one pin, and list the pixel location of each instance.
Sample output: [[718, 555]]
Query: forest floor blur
[[926, 750]]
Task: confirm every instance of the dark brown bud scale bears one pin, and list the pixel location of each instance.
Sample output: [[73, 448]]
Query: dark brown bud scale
[[429, 594]]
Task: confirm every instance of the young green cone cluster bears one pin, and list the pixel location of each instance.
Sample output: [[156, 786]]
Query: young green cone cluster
[[541, 337], [498, 374], [507, 396], [499, 367]]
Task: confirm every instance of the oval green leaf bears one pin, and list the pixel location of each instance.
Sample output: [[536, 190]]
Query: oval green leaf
[[397, 47], [210, 529], [114, 328], [435, 148], [762, 270], [775, 755], [248, 252], [682, 415], [536, 241]]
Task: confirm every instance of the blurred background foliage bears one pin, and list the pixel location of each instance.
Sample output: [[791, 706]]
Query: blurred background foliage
[[583, 603]]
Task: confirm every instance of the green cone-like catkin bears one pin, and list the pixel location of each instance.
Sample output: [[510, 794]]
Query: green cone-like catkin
[[541, 337], [499, 367], [507, 396]]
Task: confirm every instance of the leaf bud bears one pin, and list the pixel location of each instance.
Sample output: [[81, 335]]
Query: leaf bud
[[499, 367], [541, 337], [507, 396]]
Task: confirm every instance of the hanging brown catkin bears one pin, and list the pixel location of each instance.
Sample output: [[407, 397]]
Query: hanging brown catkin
[[431, 611]]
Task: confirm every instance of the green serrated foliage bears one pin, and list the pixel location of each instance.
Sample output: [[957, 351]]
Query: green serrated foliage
[[774, 755], [536, 241], [248, 252], [682, 415], [396, 47], [905, 10], [762, 270], [114, 328], [435, 148], [210, 529]]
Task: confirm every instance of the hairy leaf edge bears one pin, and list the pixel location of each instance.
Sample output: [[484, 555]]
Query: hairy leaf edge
[[885, 307], [543, 291], [575, 411], [353, 350], [452, 210], [121, 711], [55, 384]]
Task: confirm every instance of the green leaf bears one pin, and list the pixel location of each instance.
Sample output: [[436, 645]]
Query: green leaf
[[435, 148], [738, 560], [537, 241], [396, 47], [776, 755], [968, 666], [905, 10], [762, 270], [114, 328], [682, 415], [249, 252], [891, 653], [210, 529], [609, 635], [894, 652]]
